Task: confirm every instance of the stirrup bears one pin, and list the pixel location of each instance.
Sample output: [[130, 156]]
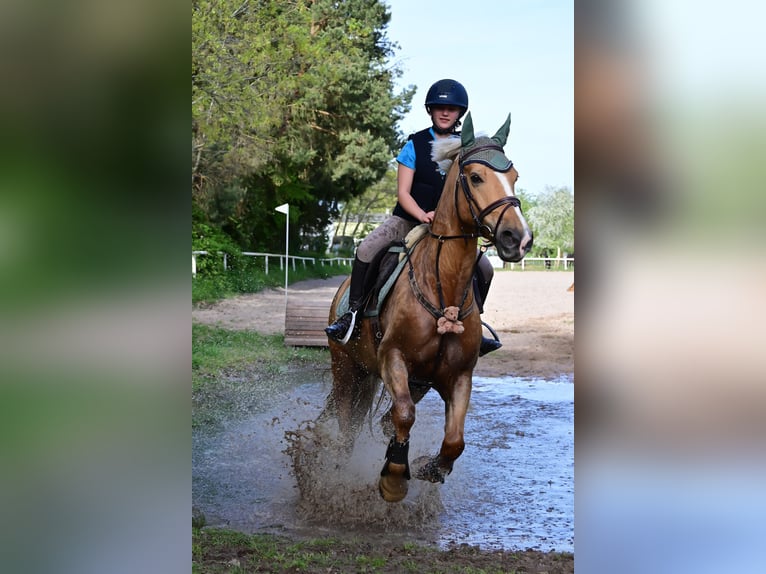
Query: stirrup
[[342, 338], [488, 345], [491, 330], [347, 336]]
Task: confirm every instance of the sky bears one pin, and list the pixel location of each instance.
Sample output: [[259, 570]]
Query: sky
[[512, 56]]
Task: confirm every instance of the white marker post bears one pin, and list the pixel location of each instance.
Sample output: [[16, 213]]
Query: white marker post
[[285, 208]]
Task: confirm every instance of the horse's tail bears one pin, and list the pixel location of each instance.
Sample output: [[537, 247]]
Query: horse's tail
[[384, 401]]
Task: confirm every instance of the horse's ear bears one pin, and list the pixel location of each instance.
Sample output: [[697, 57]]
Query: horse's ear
[[466, 135], [502, 134]]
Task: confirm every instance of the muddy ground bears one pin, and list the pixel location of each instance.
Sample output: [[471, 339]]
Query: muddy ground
[[533, 312]]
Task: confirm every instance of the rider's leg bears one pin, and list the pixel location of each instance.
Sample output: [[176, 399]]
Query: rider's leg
[[392, 229], [481, 281], [343, 326]]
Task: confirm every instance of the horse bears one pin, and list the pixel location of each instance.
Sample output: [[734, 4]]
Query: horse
[[428, 332]]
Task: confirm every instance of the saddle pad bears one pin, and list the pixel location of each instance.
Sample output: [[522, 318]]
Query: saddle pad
[[384, 289], [414, 236]]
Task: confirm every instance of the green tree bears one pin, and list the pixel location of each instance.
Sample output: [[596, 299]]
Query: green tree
[[528, 200], [357, 213], [292, 102], [551, 217]]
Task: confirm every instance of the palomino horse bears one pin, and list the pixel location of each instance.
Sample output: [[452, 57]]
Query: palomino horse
[[429, 331]]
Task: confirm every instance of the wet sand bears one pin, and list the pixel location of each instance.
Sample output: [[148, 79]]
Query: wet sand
[[532, 311]]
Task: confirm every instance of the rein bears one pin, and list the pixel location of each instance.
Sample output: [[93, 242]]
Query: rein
[[423, 300], [482, 230]]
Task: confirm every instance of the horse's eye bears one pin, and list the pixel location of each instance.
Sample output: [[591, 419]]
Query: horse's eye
[[475, 178]]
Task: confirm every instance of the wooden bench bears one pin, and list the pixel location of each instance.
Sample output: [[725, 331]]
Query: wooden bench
[[305, 321]]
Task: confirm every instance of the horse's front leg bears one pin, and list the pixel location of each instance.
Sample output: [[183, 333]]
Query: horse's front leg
[[396, 471], [456, 399]]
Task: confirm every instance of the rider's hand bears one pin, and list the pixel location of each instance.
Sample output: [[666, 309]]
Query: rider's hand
[[427, 217]]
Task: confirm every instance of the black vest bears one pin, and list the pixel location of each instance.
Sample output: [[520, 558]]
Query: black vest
[[428, 181]]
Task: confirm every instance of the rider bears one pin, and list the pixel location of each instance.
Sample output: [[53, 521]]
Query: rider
[[419, 186]]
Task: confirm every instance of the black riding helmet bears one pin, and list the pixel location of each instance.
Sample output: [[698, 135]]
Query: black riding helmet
[[448, 93]]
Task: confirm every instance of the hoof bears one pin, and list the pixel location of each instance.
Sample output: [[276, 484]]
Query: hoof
[[393, 486], [428, 469]]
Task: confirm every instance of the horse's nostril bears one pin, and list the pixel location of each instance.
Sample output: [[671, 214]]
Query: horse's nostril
[[508, 235], [525, 244]]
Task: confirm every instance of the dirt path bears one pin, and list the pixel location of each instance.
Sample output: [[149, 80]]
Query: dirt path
[[532, 311]]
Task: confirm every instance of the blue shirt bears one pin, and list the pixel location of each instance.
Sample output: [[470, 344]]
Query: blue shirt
[[406, 157]]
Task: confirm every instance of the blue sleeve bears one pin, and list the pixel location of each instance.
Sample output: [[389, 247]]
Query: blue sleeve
[[406, 157]]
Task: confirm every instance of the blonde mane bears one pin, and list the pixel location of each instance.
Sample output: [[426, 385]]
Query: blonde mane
[[444, 151]]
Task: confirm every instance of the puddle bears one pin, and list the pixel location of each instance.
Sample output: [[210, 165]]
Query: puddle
[[512, 488]]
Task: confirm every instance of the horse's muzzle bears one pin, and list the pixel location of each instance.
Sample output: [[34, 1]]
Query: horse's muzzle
[[512, 244]]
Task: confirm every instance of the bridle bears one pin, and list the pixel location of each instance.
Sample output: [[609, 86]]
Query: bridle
[[482, 230]]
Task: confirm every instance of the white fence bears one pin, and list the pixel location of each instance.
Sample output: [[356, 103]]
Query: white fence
[[497, 263], [293, 259], [548, 262]]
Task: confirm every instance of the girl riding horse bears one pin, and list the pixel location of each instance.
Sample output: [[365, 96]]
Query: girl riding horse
[[419, 186], [428, 330]]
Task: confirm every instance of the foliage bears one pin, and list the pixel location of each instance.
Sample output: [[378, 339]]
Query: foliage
[[207, 237], [292, 102], [379, 199], [528, 200], [551, 217], [245, 274]]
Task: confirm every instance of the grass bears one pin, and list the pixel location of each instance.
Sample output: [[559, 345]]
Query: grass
[[216, 550], [236, 372], [216, 351], [250, 277]]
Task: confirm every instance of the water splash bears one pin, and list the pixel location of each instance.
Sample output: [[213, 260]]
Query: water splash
[[281, 470], [341, 490]]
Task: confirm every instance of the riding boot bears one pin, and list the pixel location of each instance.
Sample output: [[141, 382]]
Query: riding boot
[[343, 327], [480, 291]]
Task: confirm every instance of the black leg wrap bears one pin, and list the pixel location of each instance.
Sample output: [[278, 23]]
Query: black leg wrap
[[397, 453]]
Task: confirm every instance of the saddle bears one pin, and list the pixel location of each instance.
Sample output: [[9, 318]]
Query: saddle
[[383, 272]]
